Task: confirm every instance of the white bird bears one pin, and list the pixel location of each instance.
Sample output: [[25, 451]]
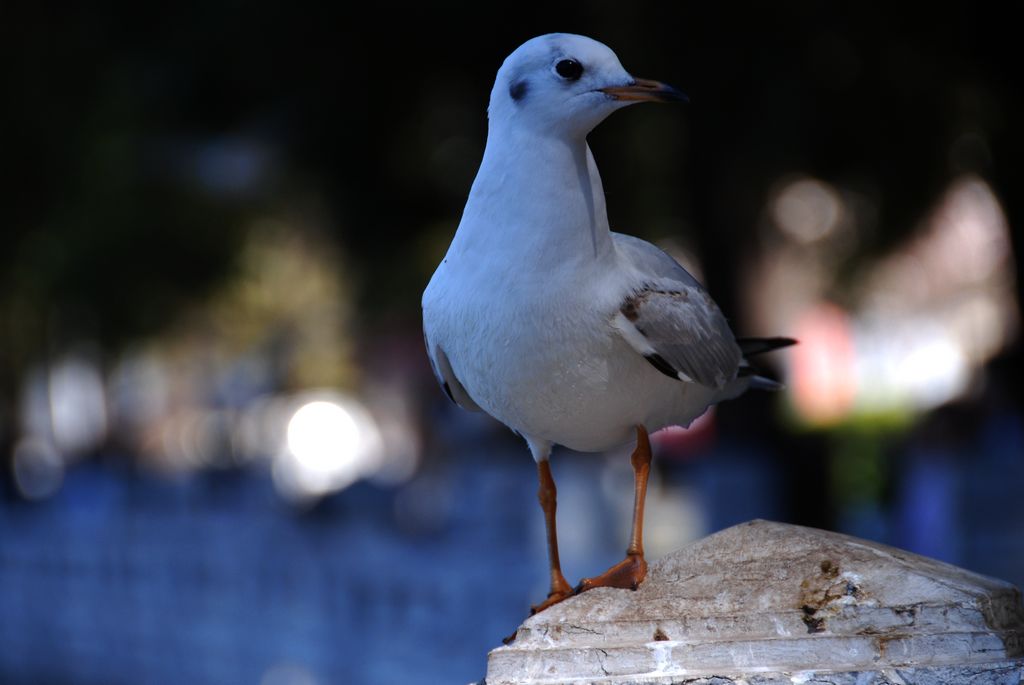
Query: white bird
[[542, 317]]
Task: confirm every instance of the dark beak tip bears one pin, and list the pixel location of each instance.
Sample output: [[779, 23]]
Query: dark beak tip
[[671, 93], [661, 91], [680, 96]]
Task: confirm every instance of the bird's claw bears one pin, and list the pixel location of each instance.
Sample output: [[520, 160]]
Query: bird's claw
[[627, 574], [554, 597]]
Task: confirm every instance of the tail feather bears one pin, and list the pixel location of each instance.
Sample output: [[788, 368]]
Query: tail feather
[[751, 346], [754, 346], [764, 383]]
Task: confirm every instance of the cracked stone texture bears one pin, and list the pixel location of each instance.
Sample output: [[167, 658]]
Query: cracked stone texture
[[764, 603]]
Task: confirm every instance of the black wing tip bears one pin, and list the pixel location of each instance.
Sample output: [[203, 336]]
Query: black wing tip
[[658, 362], [758, 382], [764, 383], [752, 346]]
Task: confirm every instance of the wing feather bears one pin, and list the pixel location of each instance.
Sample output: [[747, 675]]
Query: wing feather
[[682, 330], [447, 379], [674, 323]]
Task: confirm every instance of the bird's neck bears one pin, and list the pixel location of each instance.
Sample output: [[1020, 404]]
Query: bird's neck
[[537, 198]]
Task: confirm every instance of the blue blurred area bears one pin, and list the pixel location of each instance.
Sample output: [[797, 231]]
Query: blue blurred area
[[213, 579], [124, 577], [961, 503]]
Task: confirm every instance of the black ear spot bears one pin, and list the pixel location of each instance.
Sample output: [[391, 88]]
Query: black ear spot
[[517, 91]]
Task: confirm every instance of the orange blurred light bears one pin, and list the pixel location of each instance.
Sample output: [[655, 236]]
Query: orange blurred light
[[823, 375]]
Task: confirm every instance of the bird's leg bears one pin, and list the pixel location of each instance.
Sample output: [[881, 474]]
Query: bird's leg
[[630, 572], [560, 588]]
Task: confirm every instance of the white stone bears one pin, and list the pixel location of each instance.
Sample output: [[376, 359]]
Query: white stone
[[767, 603]]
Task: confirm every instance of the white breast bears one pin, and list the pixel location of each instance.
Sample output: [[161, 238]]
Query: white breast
[[544, 357]]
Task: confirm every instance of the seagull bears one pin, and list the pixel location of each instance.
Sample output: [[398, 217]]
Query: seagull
[[559, 328]]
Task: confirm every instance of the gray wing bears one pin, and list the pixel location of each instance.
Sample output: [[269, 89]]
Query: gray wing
[[673, 322], [446, 377]]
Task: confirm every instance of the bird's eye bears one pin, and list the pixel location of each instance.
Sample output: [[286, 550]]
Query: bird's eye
[[569, 69]]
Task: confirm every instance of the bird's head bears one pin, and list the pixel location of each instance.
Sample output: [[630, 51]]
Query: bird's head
[[565, 84]]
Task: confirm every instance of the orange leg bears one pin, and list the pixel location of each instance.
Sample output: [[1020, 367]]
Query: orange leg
[[560, 588], [630, 572]]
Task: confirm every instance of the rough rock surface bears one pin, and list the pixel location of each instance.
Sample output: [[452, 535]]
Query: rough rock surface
[[764, 603]]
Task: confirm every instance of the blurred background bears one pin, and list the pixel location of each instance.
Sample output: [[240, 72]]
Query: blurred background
[[224, 457]]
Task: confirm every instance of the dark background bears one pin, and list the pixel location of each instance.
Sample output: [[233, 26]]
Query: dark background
[[149, 149]]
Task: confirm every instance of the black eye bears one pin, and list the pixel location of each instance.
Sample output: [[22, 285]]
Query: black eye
[[569, 69]]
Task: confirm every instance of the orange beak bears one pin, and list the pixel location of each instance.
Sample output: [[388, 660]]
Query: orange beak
[[645, 90]]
